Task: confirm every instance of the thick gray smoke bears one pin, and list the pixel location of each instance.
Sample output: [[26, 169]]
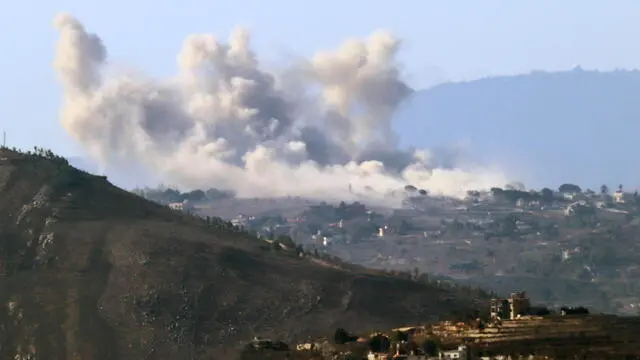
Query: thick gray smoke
[[223, 121]]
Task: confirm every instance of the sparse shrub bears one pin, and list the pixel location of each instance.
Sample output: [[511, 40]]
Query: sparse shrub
[[431, 347], [341, 336], [379, 343], [410, 188], [399, 336]]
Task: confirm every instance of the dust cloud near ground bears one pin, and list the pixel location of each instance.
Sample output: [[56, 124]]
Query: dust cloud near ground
[[319, 129]]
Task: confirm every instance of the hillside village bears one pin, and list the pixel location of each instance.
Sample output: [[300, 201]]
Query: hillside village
[[92, 271], [552, 239], [508, 327], [514, 329]]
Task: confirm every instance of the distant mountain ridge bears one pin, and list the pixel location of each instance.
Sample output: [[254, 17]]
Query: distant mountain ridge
[[547, 128]]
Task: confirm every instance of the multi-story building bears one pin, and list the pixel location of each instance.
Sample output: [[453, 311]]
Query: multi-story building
[[510, 308], [500, 309], [519, 304]]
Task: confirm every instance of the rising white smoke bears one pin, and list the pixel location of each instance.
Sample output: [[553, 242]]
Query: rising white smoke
[[316, 130]]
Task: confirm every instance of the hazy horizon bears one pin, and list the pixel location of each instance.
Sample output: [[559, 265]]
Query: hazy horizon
[[439, 43]]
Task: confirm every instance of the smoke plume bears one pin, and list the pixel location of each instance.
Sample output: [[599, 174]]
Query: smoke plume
[[319, 129]]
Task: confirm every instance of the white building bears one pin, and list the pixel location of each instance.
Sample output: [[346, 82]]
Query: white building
[[326, 241], [462, 352], [181, 206], [382, 230]]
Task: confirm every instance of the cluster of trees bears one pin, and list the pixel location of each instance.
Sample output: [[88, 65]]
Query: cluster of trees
[[505, 226], [508, 227], [456, 225], [220, 225], [47, 154], [381, 343], [580, 310], [572, 188], [358, 230], [329, 213], [165, 195], [346, 211], [342, 336], [355, 217], [545, 195], [39, 153], [412, 189]]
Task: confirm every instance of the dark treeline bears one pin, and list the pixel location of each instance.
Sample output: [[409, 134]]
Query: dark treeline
[[165, 195]]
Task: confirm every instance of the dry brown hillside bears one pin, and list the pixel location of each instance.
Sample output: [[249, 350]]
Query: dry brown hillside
[[90, 271]]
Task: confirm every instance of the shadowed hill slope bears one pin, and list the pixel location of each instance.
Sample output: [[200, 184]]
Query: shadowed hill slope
[[90, 271]]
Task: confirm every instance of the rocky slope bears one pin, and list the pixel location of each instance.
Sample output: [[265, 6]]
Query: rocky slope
[[90, 271]]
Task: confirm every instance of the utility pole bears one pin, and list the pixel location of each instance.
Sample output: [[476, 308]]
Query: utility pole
[[4, 138]]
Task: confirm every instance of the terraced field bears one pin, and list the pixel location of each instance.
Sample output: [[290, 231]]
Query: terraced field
[[594, 336]]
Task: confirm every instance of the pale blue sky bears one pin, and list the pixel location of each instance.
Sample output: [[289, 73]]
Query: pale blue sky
[[444, 40]]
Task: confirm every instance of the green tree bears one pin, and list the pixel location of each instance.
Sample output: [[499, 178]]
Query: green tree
[[513, 196], [473, 193], [604, 189], [411, 188], [569, 188], [171, 195], [341, 336], [215, 194], [430, 347], [546, 195], [509, 225], [194, 195], [379, 343]]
